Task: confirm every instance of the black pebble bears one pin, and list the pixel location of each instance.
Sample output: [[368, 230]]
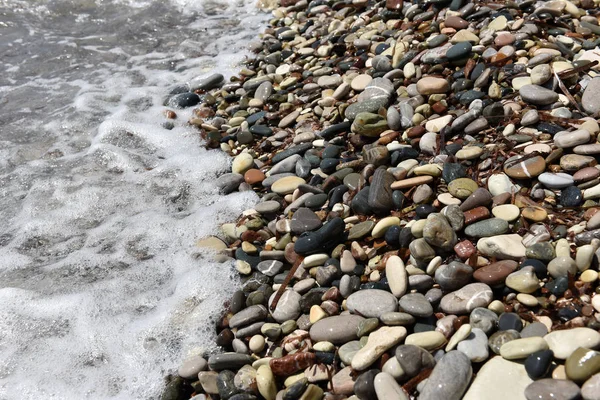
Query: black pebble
[[424, 210], [538, 364], [392, 236], [539, 267], [558, 286], [571, 197], [183, 100], [510, 321]]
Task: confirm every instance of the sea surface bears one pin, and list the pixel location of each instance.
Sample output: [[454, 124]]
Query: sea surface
[[102, 290]]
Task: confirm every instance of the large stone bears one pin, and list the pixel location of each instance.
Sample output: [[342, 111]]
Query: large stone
[[338, 329], [499, 379], [502, 247], [378, 343], [564, 342], [449, 379], [371, 303], [466, 299], [439, 233], [590, 99], [380, 193]]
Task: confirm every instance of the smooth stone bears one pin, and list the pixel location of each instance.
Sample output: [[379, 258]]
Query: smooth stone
[[475, 346], [459, 51], [380, 192], [248, 316], [537, 364], [522, 348], [484, 319], [486, 228], [383, 225], [360, 230], [498, 339], [507, 212], [590, 99], [348, 350], [265, 382], [499, 184], [416, 305], [499, 379], [321, 240], [378, 343], [231, 361], [371, 303], [469, 153], [386, 387], [397, 277], [538, 95], [495, 274], [191, 366], [453, 276], [566, 139], [364, 387], [413, 359], [287, 184], [397, 318], [510, 321], [525, 167], [582, 364], [590, 390], [480, 197], [337, 329], [562, 266], [462, 187], [502, 247], [431, 85], [449, 379], [556, 180], [552, 389], [523, 280], [439, 233], [288, 306], [564, 342], [304, 220], [534, 329], [466, 299]]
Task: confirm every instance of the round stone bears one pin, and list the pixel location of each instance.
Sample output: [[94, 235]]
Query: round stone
[[525, 167], [287, 184], [507, 212], [462, 187], [371, 303]]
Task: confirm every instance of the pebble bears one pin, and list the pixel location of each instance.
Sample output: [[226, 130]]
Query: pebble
[[522, 348], [337, 329], [475, 346], [564, 342], [502, 247], [552, 389], [372, 303], [378, 343], [449, 378], [466, 299], [499, 379]]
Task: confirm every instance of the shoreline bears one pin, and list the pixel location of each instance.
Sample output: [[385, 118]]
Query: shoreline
[[428, 225]]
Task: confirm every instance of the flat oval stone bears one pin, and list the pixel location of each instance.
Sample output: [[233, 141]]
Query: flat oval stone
[[524, 167], [507, 212], [466, 299], [590, 390], [522, 348], [502, 247], [371, 303], [338, 329], [287, 184], [556, 180], [462, 187], [538, 95], [487, 227], [566, 139], [552, 389], [416, 305], [432, 85], [495, 273]]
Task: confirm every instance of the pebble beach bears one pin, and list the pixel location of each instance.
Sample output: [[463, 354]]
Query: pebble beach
[[429, 219]]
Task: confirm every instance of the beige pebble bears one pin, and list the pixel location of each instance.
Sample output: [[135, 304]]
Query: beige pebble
[[257, 343], [427, 340], [527, 299], [559, 372], [461, 334]]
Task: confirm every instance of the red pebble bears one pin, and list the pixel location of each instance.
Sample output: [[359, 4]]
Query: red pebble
[[292, 363], [464, 249]]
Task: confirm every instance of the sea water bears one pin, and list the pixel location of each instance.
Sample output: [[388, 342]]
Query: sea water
[[102, 290]]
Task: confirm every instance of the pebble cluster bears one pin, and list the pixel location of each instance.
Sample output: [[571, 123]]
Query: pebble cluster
[[429, 225]]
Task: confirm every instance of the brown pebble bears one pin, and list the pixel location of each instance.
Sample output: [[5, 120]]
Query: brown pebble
[[495, 273], [500, 199], [586, 174], [476, 214], [254, 176], [464, 249], [416, 131], [456, 22]]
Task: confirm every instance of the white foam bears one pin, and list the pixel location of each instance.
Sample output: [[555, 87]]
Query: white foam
[[102, 292]]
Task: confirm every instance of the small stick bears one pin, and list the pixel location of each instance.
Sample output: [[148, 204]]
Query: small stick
[[562, 87], [285, 283]]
